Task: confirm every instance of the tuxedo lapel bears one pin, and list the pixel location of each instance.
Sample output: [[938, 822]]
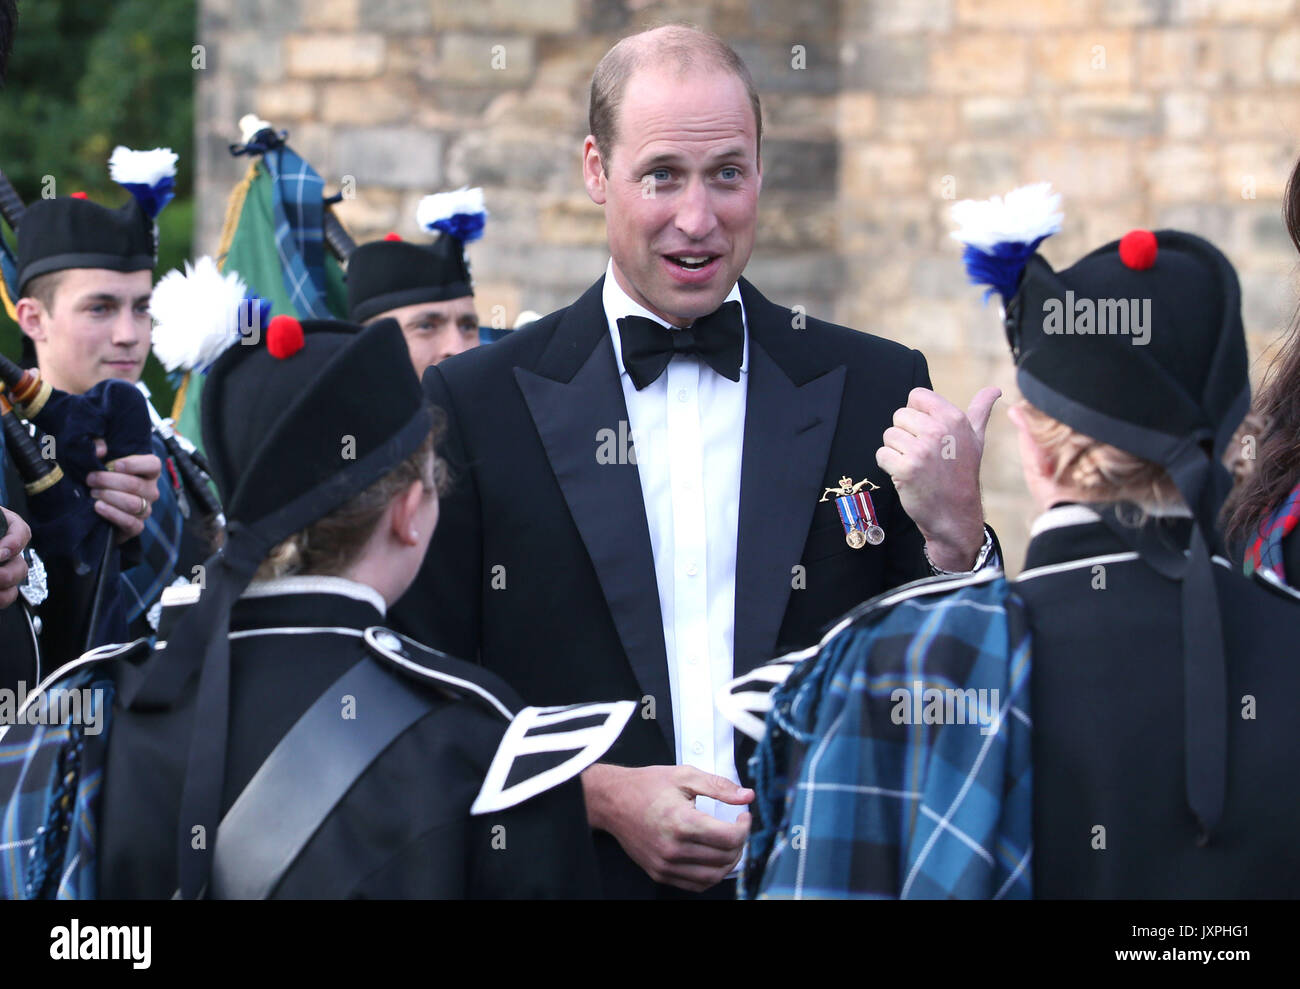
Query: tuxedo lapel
[[791, 410], [573, 396]]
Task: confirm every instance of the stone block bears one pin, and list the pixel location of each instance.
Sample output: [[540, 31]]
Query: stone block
[[1087, 59], [334, 56], [485, 59], [1179, 57], [1107, 114], [288, 100], [1186, 114], [981, 63], [885, 65], [1178, 172], [1007, 116], [1086, 171], [391, 156], [515, 16], [924, 119], [374, 102], [1284, 58], [1017, 15], [799, 165]]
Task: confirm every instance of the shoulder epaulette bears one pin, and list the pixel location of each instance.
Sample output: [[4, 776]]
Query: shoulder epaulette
[[745, 701], [542, 746], [440, 670], [547, 746]]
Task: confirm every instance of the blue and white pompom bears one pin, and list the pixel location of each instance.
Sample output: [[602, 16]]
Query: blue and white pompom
[[460, 214], [150, 176], [198, 313], [1002, 233]]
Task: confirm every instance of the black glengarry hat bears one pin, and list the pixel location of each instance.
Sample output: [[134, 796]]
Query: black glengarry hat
[[389, 273], [1139, 345], [73, 232]]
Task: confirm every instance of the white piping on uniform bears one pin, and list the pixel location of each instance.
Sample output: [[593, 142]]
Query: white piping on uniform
[[107, 651], [1088, 561], [317, 584], [429, 674]]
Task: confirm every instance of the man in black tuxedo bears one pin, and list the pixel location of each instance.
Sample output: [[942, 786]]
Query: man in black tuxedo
[[641, 505]]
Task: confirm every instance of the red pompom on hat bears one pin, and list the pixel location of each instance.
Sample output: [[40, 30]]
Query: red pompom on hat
[[284, 337], [391, 235], [78, 195], [1137, 249]]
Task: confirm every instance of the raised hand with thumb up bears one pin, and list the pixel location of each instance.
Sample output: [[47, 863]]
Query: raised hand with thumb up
[[932, 452]]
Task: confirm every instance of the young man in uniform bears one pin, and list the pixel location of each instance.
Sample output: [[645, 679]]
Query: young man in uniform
[[85, 277], [425, 287]]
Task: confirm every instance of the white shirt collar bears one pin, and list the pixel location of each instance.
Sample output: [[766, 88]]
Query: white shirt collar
[[619, 304], [317, 584], [1063, 516]]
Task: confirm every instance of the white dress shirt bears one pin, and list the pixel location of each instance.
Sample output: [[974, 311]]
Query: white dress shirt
[[688, 429]]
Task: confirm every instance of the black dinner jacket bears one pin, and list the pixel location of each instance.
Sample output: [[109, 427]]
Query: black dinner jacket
[[541, 565]]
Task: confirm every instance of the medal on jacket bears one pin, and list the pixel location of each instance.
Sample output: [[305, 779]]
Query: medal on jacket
[[857, 512]]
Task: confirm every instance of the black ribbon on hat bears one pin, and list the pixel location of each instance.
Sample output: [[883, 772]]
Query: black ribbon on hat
[[1203, 481], [200, 644], [718, 339]]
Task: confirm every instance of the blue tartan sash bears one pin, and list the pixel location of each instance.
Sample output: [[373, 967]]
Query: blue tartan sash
[[896, 757], [50, 776]]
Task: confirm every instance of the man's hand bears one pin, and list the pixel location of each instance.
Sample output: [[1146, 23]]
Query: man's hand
[[124, 494], [932, 452], [13, 568], [651, 811]]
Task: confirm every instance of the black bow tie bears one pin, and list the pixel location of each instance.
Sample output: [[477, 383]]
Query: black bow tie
[[718, 339]]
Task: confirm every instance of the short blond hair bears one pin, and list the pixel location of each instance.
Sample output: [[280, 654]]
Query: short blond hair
[[1097, 471]]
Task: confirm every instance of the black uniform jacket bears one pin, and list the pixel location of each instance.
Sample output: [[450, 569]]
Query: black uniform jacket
[[542, 567], [1107, 707], [20, 653], [404, 829]]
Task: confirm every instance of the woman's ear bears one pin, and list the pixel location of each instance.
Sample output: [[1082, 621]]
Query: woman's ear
[[405, 514]]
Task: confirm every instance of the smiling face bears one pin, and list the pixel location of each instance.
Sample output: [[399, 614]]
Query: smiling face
[[95, 325], [680, 190], [437, 330]]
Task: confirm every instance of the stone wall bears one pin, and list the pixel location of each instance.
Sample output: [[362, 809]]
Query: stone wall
[[878, 114]]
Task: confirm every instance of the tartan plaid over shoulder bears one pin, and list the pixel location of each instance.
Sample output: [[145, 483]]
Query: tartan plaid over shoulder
[[896, 757], [52, 753], [1265, 553]]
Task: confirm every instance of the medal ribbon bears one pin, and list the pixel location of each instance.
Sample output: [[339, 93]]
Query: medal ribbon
[[867, 508]]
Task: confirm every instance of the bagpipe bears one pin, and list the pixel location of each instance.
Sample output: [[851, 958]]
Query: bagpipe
[[50, 437]]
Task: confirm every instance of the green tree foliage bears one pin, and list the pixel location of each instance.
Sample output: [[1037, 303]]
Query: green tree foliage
[[84, 78]]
